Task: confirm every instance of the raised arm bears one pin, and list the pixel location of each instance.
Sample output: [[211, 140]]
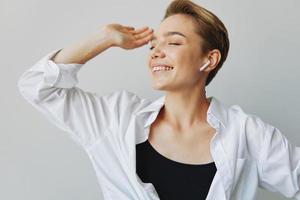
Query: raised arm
[[50, 86], [111, 35]]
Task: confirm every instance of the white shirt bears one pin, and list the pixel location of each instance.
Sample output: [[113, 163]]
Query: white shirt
[[247, 151]]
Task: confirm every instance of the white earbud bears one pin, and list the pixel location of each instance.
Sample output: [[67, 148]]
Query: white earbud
[[204, 66]]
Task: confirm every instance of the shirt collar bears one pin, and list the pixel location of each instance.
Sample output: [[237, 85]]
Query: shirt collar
[[216, 110]]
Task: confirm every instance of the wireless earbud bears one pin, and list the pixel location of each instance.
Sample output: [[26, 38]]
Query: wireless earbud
[[204, 66]]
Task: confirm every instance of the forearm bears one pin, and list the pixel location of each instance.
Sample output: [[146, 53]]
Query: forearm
[[84, 50]]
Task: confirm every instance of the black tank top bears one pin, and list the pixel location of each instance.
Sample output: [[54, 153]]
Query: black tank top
[[173, 180]]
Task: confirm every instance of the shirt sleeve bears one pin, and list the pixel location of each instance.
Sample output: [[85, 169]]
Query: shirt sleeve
[[279, 163], [85, 116]]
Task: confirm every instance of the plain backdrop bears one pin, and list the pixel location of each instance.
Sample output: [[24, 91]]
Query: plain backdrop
[[38, 161]]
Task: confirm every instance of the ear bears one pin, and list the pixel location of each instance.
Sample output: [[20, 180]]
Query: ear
[[214, 56]]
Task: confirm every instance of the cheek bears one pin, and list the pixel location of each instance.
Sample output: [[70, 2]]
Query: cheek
[[183, 57], [186, 61]]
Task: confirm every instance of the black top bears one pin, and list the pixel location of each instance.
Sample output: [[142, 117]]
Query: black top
[[173, 180]]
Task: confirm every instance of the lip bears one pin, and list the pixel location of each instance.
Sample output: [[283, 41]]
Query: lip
[[161, 71], [160, 64]]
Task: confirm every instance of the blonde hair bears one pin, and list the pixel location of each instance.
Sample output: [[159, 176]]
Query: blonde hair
[[209, 27]]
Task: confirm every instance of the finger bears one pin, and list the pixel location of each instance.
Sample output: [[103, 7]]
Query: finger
[[140, 30], [129, 27], [143, 34], [144, 40]]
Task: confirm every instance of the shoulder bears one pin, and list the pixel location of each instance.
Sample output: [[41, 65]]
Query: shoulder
[[247, 119], [125, 100], [119, 96], [251, 127], [248, 130]]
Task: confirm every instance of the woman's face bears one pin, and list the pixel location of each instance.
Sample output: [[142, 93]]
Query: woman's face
[[176, 44]]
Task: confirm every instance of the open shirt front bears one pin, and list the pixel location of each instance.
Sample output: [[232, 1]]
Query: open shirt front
[[247, 151]]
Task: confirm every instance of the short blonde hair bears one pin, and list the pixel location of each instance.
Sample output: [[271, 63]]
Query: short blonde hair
[[209, 27]]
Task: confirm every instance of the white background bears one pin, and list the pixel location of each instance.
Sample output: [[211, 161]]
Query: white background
[[38, 161]]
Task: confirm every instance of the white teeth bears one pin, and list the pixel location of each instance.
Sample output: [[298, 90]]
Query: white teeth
[[160, 68]]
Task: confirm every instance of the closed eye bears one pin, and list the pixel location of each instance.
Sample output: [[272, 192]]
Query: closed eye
[[169, 43]]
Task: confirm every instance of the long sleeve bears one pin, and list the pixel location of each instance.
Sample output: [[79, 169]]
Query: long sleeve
[[85, 116], [279, 163]]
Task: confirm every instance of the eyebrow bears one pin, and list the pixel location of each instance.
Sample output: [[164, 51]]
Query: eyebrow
[[169, 34]]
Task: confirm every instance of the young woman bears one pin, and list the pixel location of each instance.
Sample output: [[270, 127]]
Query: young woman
[[183, 145]]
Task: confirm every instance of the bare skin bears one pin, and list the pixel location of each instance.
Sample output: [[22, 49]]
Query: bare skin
[[181, 131], [190, 147], [110, 35]]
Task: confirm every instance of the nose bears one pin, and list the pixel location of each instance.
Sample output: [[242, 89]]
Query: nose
[[156, 52]]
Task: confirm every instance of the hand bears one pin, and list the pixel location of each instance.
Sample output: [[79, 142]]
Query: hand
[[127, 37]]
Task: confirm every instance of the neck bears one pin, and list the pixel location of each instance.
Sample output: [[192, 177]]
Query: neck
[[184, 111]]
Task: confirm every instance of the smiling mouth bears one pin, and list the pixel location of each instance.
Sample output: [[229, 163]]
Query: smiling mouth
[[162, 69]]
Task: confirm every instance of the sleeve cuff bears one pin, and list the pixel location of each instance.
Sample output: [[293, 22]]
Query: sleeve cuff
[[59, 74]]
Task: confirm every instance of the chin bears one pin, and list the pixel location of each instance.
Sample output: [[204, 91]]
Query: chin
[[157, 86]]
